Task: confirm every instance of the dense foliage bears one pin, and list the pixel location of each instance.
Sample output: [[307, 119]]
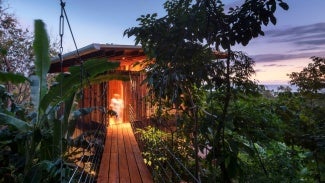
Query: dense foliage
[[16, 53], [312, 78], [15, 44], [213, 123], [35, 141], [225, 131]]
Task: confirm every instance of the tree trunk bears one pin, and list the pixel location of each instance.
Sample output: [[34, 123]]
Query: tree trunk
[[221, 127]]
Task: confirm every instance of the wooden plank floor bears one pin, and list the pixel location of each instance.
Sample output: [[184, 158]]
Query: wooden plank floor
[[122, 160]]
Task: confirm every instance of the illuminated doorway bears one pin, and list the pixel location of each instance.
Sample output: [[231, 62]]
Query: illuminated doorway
[[116, 101]]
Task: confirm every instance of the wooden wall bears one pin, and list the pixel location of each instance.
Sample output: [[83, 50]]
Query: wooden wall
[[131, 92]]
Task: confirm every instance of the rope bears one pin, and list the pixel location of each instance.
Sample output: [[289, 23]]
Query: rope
[[61, 33], [83, 75], [164, 148], [66, 16], [180, 163], [89, 147]]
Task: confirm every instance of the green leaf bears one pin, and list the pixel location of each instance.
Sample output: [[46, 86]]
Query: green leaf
[[108, 77], [12, 77], [273, 19], [82, 112], [41, 50], [68, 103], [57, 137], [284, 5], [36, 173], [72, 82], [34, 91], [3, 51], [20, 125]]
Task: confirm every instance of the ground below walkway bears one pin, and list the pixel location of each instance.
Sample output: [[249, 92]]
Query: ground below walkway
[[122, 160]]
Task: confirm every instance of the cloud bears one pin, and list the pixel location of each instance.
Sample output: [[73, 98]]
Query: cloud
[[311, 42], [279, 57], [275, 65], [305, 41], [305, 35], [298, 30], [307, 48], [259, 70]]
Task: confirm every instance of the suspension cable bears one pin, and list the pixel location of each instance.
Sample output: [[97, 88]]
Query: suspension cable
[[66, 17], [63, 17], [83, 75], [74, 42], [61, 33]]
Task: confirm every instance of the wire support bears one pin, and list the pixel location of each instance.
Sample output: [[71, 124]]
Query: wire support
[[180, 163], [68, 22], [95, 159], [164, 170], [171, 167], [95, 140], [84, 75], [61, 33], [164, 147]]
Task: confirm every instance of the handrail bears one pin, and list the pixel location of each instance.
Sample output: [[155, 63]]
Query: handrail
[[94, 133], [86, 174], [131, 113], [167, 169]]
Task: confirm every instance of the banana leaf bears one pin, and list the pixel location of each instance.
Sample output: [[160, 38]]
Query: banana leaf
[[68, 84], [34, 92], [41, 50], [11, 121], [106, 77], [12, 77]]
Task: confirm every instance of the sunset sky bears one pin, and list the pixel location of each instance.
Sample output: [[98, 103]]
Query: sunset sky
[[285, 48]]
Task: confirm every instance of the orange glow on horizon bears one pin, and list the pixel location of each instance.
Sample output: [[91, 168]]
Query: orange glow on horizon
[[275, 72]]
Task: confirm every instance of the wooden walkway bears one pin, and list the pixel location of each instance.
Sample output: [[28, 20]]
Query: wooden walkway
[[122, 160]]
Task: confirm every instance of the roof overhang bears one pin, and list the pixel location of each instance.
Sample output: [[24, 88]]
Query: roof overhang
[[110, 51]]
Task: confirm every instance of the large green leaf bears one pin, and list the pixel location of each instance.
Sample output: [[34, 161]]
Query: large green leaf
[[107, 77], [51, 144], [20, 125], [12, 77], [34, 92], [64, 126], [38, 172], [41, 50], [82, 112], [68, 84], [68, 103]]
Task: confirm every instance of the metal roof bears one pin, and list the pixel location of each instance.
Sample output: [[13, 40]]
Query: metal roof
[[93, 48], [113, 52]]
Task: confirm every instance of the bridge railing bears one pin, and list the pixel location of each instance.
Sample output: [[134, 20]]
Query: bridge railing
[[162, 151], [86, 144], [87, 149]]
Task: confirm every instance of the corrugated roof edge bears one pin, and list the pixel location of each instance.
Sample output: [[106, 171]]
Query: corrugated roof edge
[[91, 48]]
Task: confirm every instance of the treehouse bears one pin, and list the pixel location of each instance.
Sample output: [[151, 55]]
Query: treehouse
[[121, 91], [124, 95]]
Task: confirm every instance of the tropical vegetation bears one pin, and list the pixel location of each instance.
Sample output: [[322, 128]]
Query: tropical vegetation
[[213, 123], [35, 141], [225, 129]]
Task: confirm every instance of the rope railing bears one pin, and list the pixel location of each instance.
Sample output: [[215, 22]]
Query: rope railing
[[88, 164], [132, 115], [94, 133], [89, 131], [173, 169]]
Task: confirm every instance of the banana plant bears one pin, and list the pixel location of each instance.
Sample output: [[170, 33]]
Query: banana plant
[[12, 77], [43, 133]]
